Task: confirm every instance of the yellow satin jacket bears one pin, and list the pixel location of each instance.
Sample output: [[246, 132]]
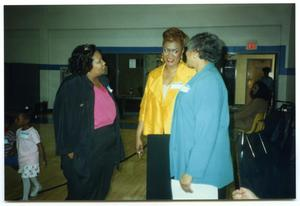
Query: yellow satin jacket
[[155, 112]]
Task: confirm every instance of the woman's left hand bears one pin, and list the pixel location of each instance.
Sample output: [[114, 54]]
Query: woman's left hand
[[185, 182]]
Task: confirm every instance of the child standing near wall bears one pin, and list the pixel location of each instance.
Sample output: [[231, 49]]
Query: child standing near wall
[[11, 156], [29, 147]]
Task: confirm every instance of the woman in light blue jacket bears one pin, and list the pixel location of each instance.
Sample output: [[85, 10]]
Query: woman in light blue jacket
[[200, 158]]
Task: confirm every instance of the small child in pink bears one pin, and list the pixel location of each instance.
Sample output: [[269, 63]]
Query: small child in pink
[[29, 147]]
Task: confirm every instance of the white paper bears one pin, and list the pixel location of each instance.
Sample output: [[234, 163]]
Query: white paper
[[200, 192]]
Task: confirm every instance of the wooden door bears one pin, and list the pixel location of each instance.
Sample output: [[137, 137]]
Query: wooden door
[[248, 70]]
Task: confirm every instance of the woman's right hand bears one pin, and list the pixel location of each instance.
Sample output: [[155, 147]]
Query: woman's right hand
[[139, 143], [139, 146]]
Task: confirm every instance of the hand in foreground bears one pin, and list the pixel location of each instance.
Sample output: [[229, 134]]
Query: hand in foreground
[[243, 194], [185, 182]]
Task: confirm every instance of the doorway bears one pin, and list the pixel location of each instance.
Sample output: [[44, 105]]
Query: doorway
[[248, 70]]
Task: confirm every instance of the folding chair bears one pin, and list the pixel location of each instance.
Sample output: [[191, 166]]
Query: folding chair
[[258, 126]]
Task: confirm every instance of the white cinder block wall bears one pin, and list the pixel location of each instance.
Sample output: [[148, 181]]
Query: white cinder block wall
[[48, 34]]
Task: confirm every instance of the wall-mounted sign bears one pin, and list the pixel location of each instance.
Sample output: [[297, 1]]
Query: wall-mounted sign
[[132, 63], [251, 45]]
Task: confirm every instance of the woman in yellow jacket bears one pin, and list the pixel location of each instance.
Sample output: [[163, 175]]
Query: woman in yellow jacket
[[156, 112]]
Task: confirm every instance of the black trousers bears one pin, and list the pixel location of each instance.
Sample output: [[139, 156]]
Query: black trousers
[[89, 173], [158, 168], [222, 193]]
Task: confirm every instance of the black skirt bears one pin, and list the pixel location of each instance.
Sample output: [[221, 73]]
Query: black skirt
[[158, 168]]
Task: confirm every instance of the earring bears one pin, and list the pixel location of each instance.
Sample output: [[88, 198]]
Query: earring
[[162, 59], [181, 59]]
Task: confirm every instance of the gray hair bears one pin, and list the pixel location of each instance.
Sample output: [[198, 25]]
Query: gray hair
[[208, 45]]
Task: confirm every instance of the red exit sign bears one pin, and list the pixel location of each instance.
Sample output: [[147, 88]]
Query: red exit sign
[[251, 45]]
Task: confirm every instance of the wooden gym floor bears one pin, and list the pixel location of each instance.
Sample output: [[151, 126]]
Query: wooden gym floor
[[129, 183]]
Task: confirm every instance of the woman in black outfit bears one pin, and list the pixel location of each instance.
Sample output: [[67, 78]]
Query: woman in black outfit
[[86, 124]]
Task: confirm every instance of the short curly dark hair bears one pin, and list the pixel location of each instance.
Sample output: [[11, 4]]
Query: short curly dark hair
[[209, 46], [81, 60], [262, 93], [266, 70]]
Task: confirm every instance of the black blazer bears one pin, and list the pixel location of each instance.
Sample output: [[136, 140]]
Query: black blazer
[[73, 116]]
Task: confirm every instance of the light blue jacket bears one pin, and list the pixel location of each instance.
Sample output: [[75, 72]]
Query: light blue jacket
[[199, 143]]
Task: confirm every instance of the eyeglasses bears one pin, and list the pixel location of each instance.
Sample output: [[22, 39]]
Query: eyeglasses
[[170, 51]]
